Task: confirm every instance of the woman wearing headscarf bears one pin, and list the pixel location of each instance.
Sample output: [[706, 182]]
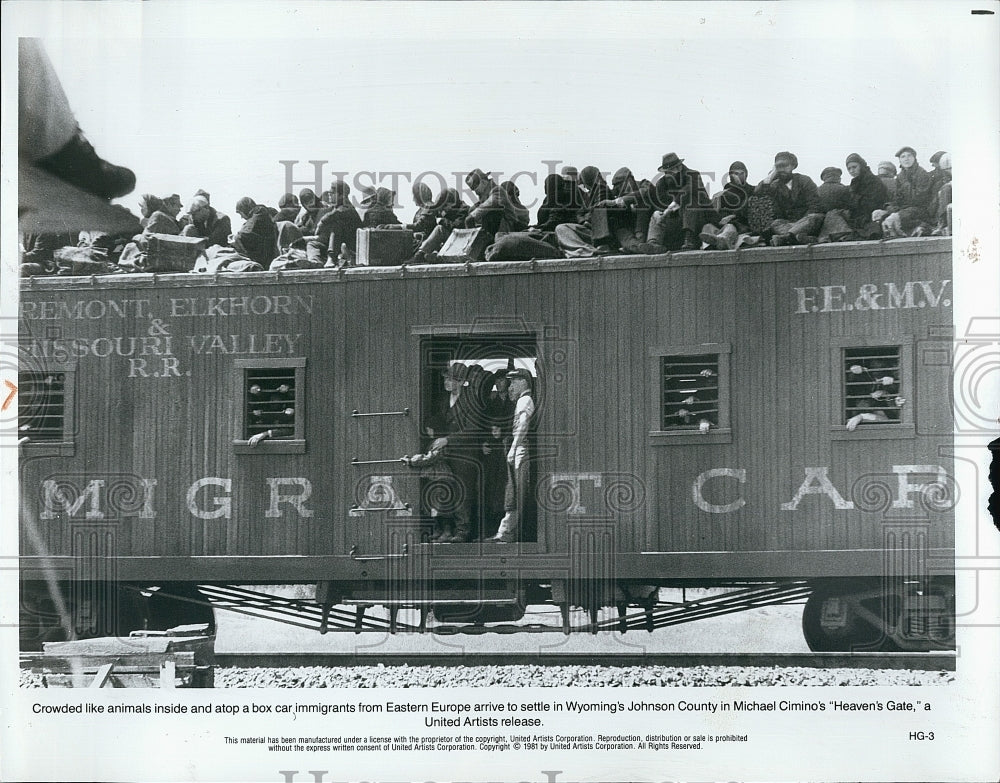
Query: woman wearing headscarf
[[516, 215], [449, 213], [577, 239], [288, 208], [379, 203], [868, 194], [309, 208], [425, 219], [155, 219]]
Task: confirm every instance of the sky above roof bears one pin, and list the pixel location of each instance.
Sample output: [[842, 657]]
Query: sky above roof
[[217, 96]]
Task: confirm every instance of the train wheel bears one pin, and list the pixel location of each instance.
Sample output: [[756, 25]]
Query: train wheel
[[850, 617], [179, 603]]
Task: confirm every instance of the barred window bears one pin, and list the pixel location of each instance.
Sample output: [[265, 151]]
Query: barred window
[[692, 394], [272, 409], [42, 409], [873, 385]]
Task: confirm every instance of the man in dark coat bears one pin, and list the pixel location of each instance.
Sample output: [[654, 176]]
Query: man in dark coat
[[796, 202], [206, 222], [258, 237], [577, 239], [558, 206], [680, 193], [868, 194], [909, 207], [337, 230], [731, 207]]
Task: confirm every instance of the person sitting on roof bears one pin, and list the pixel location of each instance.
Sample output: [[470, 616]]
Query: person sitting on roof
[[887, 173], [499, 208], [732, 208], [577, 239], [288, 208], [796, 202], [155, 217], [559, 204], [337, 231], [909, 206], [835, 203], [449, 213], [207, 223], [309, 207], [868, 194], [257, 239], [378, 204], [682, 206], [942, 203]]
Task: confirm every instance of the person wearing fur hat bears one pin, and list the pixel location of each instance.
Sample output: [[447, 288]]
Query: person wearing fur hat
[[796, 202], [682, 206], [257, 238], [868, 194], [910, 204]]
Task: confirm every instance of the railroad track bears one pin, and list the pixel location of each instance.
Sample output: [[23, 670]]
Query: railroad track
[[936, 661]]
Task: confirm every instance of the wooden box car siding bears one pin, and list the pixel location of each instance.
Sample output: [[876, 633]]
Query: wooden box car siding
[[599, 325]]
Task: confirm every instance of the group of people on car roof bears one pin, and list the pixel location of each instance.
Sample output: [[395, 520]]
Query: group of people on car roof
[[582, 215]]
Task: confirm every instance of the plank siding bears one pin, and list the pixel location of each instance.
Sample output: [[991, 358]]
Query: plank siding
[[599, 323]]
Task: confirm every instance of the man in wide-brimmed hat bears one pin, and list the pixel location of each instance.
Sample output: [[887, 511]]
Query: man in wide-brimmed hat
[[682, 205], [797, 212], [518, 473]]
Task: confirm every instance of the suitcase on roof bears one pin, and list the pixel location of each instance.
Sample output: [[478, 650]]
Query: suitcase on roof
[[384, 246], [170, 253], [464, 244]]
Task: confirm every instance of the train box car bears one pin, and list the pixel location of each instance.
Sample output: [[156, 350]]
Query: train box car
[[713, 418]]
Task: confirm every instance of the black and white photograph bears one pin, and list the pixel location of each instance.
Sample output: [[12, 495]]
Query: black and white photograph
[[437, 391]]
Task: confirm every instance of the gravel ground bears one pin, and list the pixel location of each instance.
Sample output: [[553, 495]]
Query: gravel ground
[[582, 676], [540, 676]]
